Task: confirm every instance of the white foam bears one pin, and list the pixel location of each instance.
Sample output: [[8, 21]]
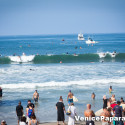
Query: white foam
[[103, 54], [22, 58], [91, 82]]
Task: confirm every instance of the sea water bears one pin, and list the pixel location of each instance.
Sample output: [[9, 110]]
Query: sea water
[[82, 74]]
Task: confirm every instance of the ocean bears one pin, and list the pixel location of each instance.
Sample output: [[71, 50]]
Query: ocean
[[55, 64]]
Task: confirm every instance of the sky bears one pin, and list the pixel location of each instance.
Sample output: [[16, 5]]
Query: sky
[[37, 17]]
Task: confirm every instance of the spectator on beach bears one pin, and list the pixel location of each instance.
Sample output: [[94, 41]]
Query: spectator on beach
[[118, 113], [122, 101], [36, 96], [3, 122], [113, 104], [70, 97], [93, 95], [105, 100], [72, 109], [88, 113], [33, 120], [60, 110], [23, 121], [113, 98], [30, 113], [105, 114], [19, 111], [29, 103], [109, 102]]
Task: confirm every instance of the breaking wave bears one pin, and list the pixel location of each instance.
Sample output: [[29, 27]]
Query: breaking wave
[[76, 58]]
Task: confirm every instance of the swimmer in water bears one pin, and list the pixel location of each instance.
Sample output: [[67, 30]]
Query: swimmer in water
[[93, 95], [110, 89], [70, 97], [36, 96]]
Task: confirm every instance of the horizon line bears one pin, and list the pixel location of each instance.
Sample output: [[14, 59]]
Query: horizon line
[[59, 34]]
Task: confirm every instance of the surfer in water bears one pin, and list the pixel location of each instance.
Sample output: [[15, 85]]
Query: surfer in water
[[70, 97], [36, 96], [93, 95]]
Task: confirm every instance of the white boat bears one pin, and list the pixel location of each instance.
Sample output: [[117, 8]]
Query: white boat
[[80, 36], [90, 41]]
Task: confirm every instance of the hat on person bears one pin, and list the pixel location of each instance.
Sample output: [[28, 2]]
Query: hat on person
[[69, 90], [114, 101], [3, 121]]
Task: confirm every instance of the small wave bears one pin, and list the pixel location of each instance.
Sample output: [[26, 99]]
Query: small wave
[[65, 58], [88, 82]]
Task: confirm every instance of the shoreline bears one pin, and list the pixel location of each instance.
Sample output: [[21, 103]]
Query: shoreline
[[66, 123]]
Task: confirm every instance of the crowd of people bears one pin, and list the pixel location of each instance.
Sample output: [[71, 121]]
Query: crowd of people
[[111, 108]]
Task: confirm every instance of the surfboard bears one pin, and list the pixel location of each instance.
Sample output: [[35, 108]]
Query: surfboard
[[98, 113], [123, 106], [75, 99]]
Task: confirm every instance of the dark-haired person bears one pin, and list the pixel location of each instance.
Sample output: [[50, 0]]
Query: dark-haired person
[[23, 120], [19, 111], [36, 96], [110, 89], [3, 122], [33, 120], [105, 114], [118, 113], [105, 100], [122, 100], [30, 112], [93, 95], [60, 111], [29, 103]]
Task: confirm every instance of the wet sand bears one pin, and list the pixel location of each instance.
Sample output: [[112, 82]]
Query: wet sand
[[76, 123]]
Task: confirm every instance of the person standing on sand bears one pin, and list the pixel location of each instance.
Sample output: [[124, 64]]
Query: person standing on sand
[[29, 103], [36, 96], [72, 109], [118, 113], [105, 114], [60, 111], [113, 98], [105, 100], [3, 122], [88, 113], [23, 121], [30, 113], [19, 111], [93, 95], [33, 120], [70, 97]]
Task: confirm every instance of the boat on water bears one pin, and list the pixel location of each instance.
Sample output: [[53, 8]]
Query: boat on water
[[80, 36], [90, 41]]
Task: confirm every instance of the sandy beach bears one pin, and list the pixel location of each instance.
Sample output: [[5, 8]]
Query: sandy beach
[[76, 123]]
